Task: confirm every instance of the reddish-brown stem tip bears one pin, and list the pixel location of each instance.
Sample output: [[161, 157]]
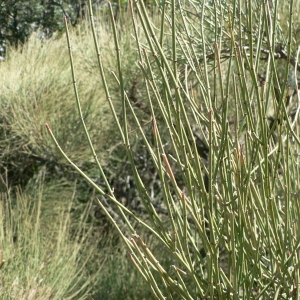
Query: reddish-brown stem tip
[[48, 127]]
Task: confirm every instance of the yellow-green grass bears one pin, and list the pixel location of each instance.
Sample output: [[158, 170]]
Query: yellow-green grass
[[39, 261]]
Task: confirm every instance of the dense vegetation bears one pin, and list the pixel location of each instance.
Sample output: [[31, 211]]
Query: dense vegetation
[[181, 170]]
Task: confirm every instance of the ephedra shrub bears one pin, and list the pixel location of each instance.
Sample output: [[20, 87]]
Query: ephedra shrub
[[219, 85]]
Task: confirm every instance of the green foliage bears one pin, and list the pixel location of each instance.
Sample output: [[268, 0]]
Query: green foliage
[[224, 147], [19, 19]]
